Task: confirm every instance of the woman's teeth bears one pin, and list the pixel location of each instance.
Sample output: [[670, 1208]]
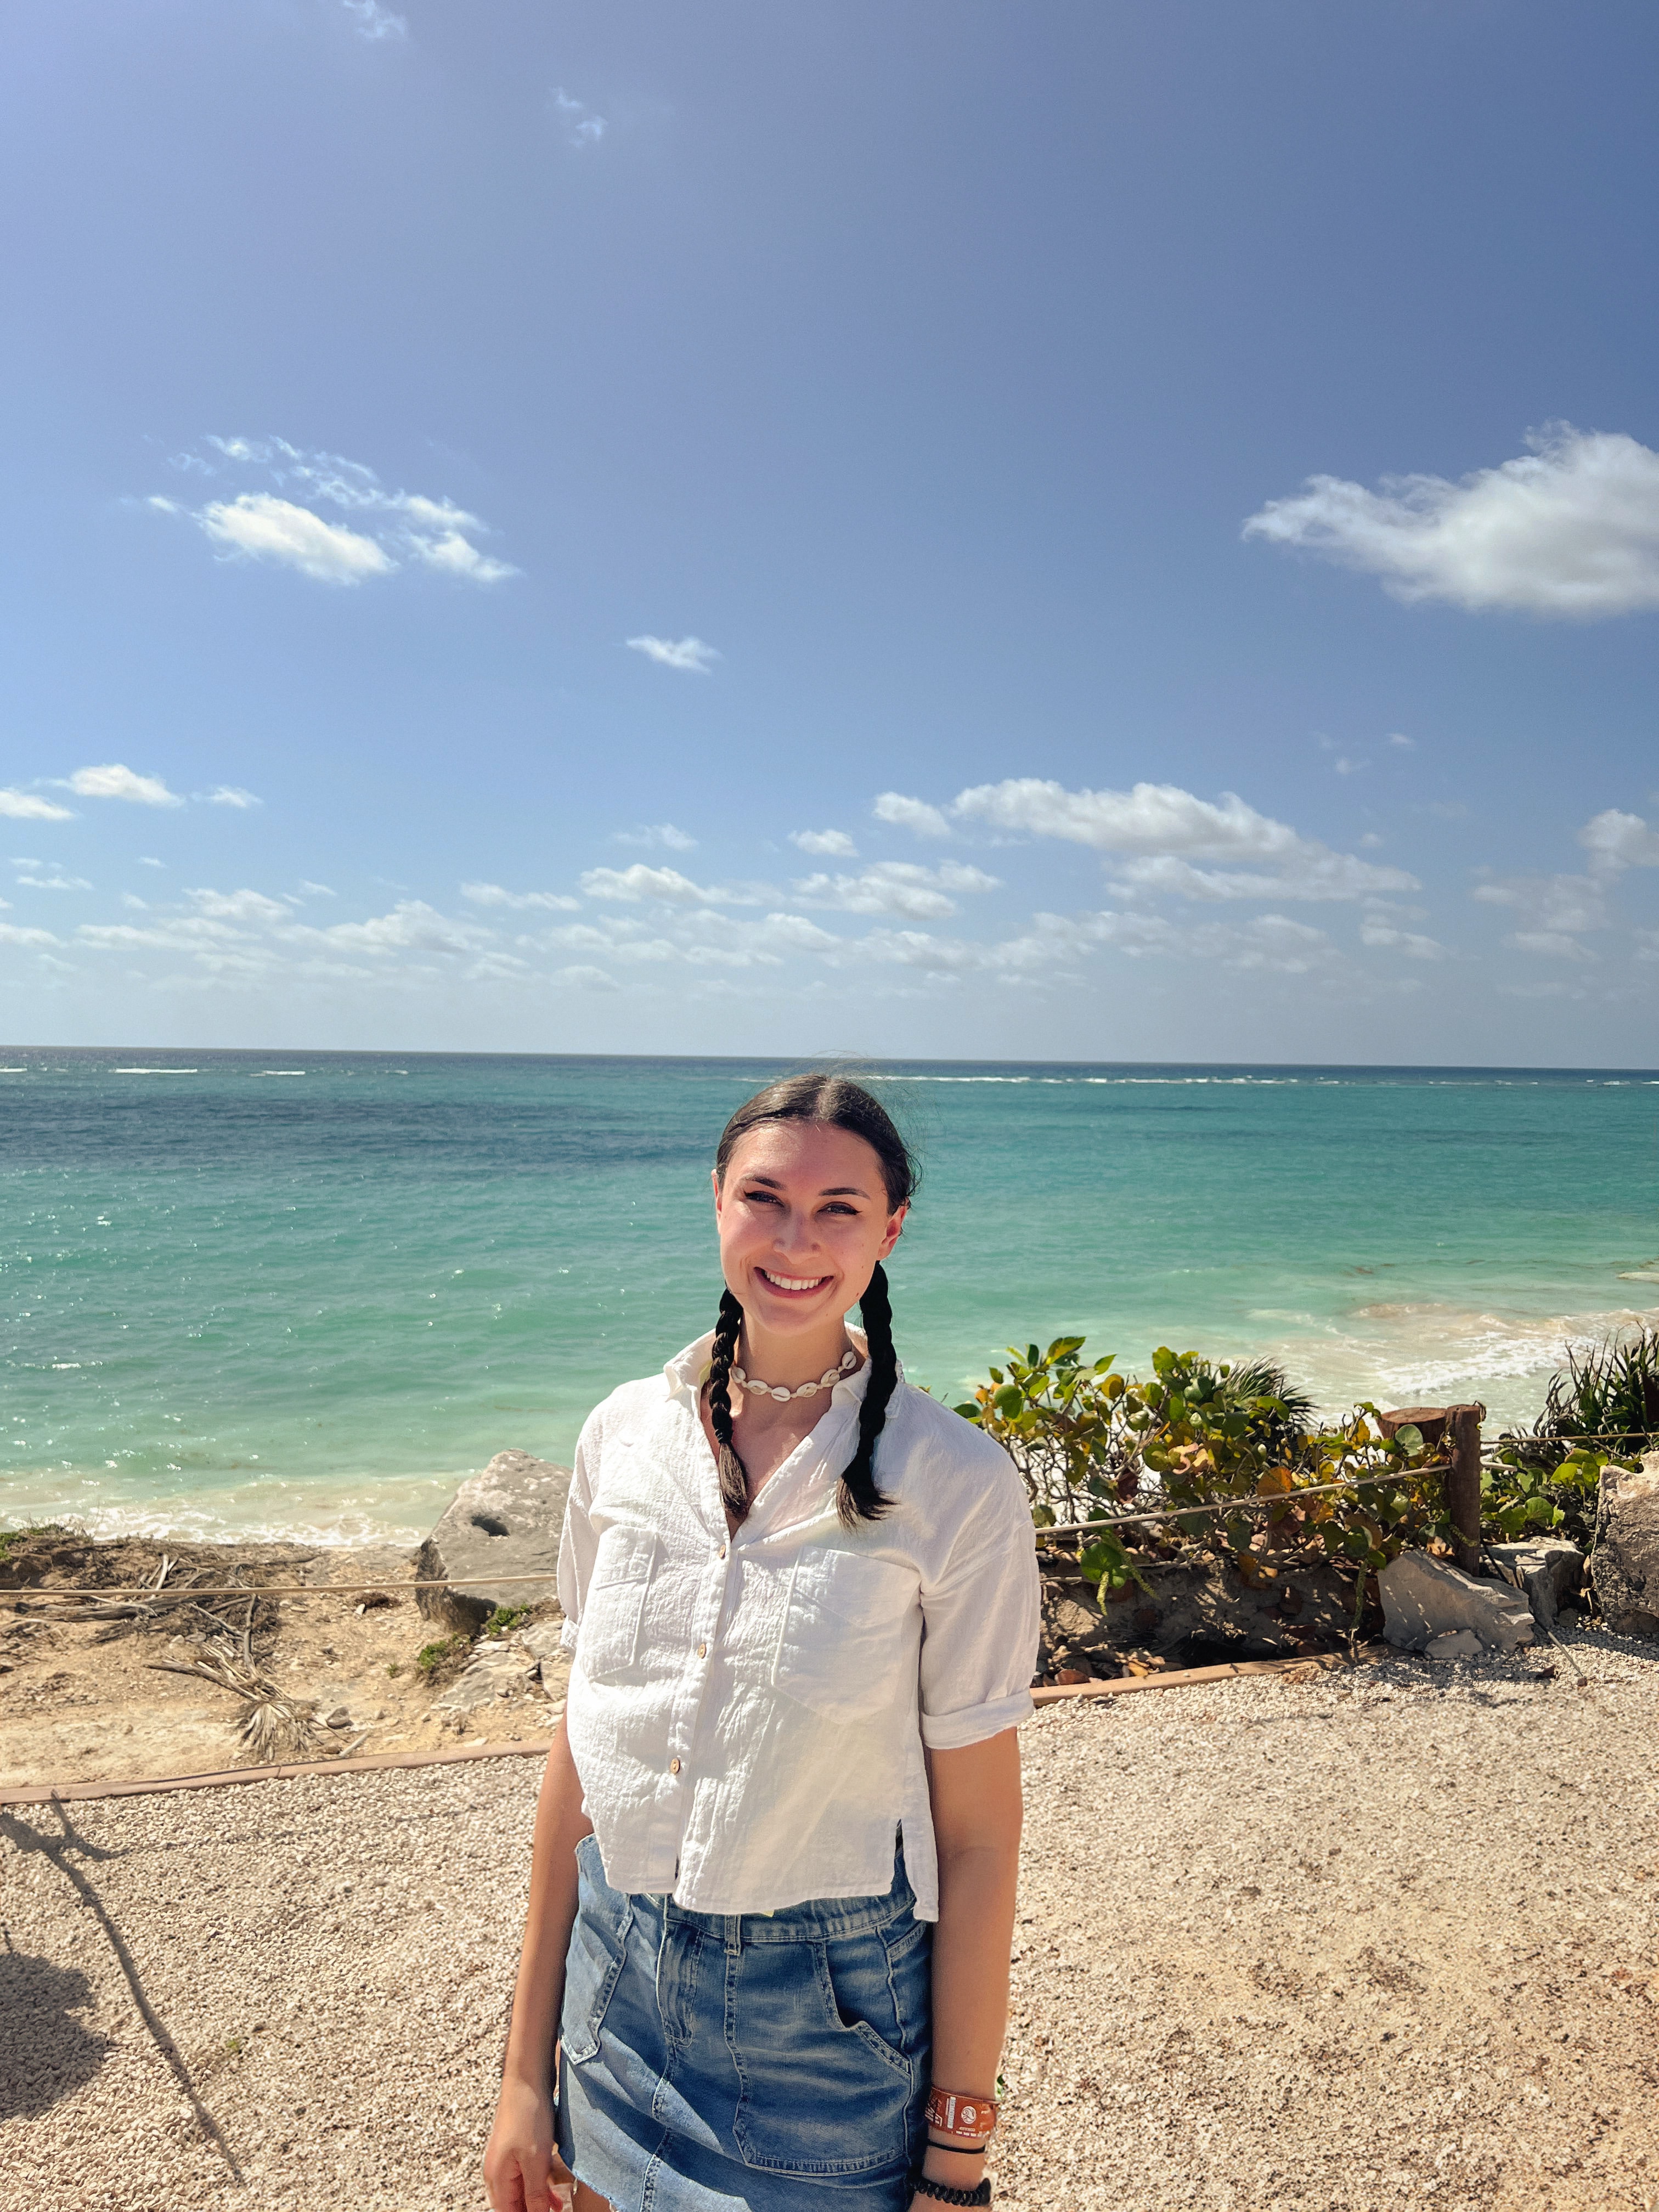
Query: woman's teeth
[[791, 1282]]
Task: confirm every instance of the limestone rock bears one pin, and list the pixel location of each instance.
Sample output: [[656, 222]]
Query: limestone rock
[[1549, 1570], [496, 1669], [1423, 1598], [507, 1521], [1624, 1564], [1459, 1643]]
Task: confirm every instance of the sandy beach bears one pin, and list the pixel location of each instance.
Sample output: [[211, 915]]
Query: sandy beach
[[1384, 1936]]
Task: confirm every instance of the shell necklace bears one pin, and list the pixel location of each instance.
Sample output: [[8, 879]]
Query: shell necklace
[[827, 1380]]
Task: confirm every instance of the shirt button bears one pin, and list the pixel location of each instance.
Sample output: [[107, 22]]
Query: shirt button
[[702, 1652], [722, 1552], [673, 1766]]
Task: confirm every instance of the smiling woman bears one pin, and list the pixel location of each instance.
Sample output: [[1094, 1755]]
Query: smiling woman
[[772, 1895]]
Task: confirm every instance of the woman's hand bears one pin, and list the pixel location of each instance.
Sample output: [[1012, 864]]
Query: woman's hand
[[522, 2169]]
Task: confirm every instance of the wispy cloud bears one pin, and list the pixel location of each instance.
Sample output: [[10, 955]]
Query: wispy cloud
[[657, 835], [231, 794], [28, 806], [494, 895], [1415, 947], [582, 127], [825, 844], [390, 530], [373, 22], [688, 654], [895, 887], [667, 885], [116, 780], [913, 814], [11, 932], [1616, 842], [1165, 833], [55, 881], [1569, 529]]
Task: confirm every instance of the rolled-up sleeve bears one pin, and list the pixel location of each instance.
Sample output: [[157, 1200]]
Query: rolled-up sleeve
[[578, 1543], [981, 1620]]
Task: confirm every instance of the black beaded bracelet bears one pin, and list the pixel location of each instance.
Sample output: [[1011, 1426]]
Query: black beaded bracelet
[[922, 2186]]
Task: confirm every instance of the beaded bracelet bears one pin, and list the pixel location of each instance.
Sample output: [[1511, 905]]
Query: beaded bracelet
[[944, 2194]]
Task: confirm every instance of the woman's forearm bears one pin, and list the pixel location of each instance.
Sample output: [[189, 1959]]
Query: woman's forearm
[[976, 1822], [971, 1945], [538, 1994]]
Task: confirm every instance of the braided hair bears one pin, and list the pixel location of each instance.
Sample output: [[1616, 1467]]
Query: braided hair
[[834, 1101]]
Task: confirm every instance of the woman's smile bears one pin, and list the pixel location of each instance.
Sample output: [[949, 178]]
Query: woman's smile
[[792, 1284]]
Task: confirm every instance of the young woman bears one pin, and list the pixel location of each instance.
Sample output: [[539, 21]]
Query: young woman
[[772, 1892]]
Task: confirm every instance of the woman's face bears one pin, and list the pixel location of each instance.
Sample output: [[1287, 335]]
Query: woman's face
[[803, 1217]]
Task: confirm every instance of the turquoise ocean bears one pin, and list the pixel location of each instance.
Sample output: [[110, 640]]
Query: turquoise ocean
[[304, 1294]]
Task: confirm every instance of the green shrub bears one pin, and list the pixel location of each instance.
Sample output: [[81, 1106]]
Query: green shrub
[[1097, 1447], [505, 1619], [431, 1657]]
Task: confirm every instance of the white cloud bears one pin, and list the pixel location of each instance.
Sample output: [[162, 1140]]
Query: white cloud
[[374, 22], [1616, 842], [145, 861], [688, 654], [240, 906], [1407, 744], [826, 844], [658, 834], [265, 528], [232, 795], [411, 926], [55, 882], [641, 881], [316, 891], [913, 814], [895, 887], [115, 780], [1164, 830], [1570, 529], [1550, 943], [1372, 932], [494, 895], [10, 933], [584, 978], [582, 126], [398, 526], [25, 806], [1269, 942]]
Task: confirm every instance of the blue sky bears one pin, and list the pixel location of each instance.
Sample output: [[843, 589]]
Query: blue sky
[[1090, 532]]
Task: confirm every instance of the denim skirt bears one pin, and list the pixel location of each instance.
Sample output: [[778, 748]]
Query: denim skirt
[[750, 2063]]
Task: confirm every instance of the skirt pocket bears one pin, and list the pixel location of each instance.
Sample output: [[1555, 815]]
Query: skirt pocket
[[830, 2045], [594, 1963]]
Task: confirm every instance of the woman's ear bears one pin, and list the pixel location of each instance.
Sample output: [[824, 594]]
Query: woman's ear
[[714, 1178], [894, 1230]]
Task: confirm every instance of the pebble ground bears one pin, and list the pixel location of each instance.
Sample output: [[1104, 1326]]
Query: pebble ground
[[1389, 1937]]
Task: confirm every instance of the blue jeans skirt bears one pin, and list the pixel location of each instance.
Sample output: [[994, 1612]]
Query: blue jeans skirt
[[755, 2062]]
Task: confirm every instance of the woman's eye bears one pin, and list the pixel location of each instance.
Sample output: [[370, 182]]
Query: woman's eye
[[762, 1197]]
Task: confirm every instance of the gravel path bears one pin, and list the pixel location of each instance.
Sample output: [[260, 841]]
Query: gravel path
[[1383, 1938]]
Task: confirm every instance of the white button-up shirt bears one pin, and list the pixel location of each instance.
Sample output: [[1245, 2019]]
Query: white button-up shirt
[[748, 1713]]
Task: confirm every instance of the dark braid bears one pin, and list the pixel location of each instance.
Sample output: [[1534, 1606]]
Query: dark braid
[[857, 1497], [842, 1104], [734, 1476]]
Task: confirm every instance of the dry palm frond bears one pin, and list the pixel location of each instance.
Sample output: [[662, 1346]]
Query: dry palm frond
[[271, 1726]]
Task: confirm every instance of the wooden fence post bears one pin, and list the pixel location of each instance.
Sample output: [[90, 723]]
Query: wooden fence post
[[1463, 1484]]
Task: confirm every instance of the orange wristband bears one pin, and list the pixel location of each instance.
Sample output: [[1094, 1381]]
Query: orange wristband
[[969, 2119]]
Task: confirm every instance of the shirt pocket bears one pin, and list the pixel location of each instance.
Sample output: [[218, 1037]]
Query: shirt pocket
[[847, 1633], [607, 1638]]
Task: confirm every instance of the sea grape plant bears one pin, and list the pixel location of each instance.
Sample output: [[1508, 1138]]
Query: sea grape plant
[[1094, 1446]]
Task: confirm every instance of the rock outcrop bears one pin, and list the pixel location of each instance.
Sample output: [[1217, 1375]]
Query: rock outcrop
[[1423, 1599], [1624, 1564], [506, 1521], [1548, 1572], [1200, 1605]]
